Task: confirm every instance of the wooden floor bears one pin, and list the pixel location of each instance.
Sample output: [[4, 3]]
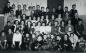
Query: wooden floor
[[36, 52]]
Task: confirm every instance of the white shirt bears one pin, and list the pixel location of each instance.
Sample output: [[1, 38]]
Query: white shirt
[[17, 37]]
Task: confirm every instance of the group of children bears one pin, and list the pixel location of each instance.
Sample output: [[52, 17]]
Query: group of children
[[36, 29]]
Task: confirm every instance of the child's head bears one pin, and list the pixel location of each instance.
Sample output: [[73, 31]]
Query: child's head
[[34, 18], [54, 9], [2, 33], [43, 24], [59, 7], [42, 17], [38, 7], [27, 34], [69, 21], [66, 8], [19, 17], [29, 17], [8, 23], [45, 36], [62, 23], [47, 16], [74, 6], [28, 23], [53, 17], [38, 18], [65, 37], [56, 23], [19, 7], [33, 8], [17, 31], [52, 36], [49, 24], [34, 24], [22, 22], [24, 6], [9, 30], [80, 22], [39, 23], [47, 9], [59, 15], [16, 22], [42, 9], [72, 34], [24, 16], [13, 6]]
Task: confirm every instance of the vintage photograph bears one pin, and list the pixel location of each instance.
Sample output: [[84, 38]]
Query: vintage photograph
[[42, 26]]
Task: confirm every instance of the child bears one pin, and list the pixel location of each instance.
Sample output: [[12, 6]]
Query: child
[[17, 39], [3, 40], [59, 19], [27, 40]]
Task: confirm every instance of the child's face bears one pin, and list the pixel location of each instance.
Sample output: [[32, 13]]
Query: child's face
[[69, 22], [28, 23], [67, 15], [13, 6], [34, 18], [57, 37], [42, 9], [17, 22], [62, 23], [24, 6], [80, 22], [43, 24], [59, 7], [3, 34], [29, 18], [10, 31], [50, 24], [33, 36], [27, 35], [46, 16], [53, 17], [52, 36], [39, 24], [74, 7], [22, 23], [47, 10], [19, 6], [42, 17], [17, 32], [56, 23], [39, 38], [38, 18], [59, 16], [24, 16], [33, 24], [72, 35], [45, 36], [19, 16], [65, 37]]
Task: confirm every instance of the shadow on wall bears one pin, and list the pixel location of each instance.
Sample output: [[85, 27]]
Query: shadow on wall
[[84, 22], [2, 5]]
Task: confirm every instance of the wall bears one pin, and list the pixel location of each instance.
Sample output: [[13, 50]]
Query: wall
[[54, 3], [2, 5], [81, 5]]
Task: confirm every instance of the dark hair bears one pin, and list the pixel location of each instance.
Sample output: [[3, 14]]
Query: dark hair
[[66, 7], [73, 5], [2, 32], [8, 22], [38, 22], [42, 7]]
